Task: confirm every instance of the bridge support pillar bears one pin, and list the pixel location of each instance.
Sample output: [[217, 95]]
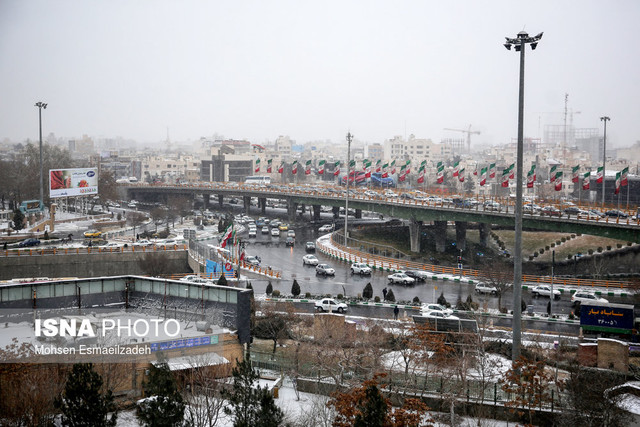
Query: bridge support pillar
[[440, 233], [262, 202], [303, 209], [336, 212], [206, 197], [358, 213], [316, 212], [415, 229], [485, 231], [220, 199], [291, 211], [247, 204], [461, 235]]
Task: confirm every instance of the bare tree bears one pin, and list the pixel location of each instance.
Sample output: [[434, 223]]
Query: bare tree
[[155, 264], [202, 391], [136, 219], [500, 276]]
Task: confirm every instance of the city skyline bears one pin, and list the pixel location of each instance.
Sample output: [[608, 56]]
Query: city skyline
[[313, 71]]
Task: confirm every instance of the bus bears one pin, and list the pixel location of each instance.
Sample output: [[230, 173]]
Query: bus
[[261, 181]]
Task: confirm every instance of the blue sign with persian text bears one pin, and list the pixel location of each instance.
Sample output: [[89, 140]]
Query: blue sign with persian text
[[184, 343]]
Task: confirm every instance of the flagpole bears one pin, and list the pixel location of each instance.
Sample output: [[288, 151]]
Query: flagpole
[[628, 193]]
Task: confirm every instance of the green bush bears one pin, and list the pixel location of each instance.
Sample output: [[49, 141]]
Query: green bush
[[541, 251], [564, 239], [535, 254], [553, 245], [619, 245], [530, 257], [573, 236], [629, 243], [590, 251], [569, 256], [276, 293], [340, 296], [269, 289], [307, 295], [546, 247], [376, 298], [390, 296], [416, 300], [599, 248], [608, 247], [558, 242]]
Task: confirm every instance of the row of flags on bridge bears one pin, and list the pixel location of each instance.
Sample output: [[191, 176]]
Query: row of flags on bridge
[[490, 171]]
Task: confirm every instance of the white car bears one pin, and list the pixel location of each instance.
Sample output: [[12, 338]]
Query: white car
[[325, 228], [325, 270], [582, 296], [545, 291], [275, 232], [265, 230], [439, 315], [291, 233], [253, 260], [401, 278], [331, 305], [310, 260], [360, 268], [435, 307], [252, 232], [194, 279], [483, 288]]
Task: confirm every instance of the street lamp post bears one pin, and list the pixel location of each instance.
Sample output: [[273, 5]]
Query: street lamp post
[[40, 106], [519, 43], [605, 119], [346, 201]]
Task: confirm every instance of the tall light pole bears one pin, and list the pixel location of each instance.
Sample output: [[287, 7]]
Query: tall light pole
[[605, 119], [519, 43], [346, 201], [40, 106]]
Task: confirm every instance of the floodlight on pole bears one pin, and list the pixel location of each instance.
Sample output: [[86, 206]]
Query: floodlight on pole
[[40, 106], [605, 119], [519, 43]]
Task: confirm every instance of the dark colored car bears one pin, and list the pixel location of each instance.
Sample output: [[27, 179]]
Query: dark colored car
[[551, 211], [28, 243], [419, 275], [616, 214], [290, 241], [310, 247], [572, 210]]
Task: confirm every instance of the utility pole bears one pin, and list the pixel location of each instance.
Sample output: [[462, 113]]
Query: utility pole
[[40, 106], [346, 201]]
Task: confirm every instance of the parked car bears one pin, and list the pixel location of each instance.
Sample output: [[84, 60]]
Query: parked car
[[545, 291], [325, 228], [419, 275], [192, 278], [401, 278], [331, 305], [310, 247], [310, 260], [551, 211], [290, 241], [616, 214], [275, 232], [253, 260], [439, 315], [483, 288], [325, 270], [582, 296], [92, 234], [360, 268], [435, 307], [29, 242]]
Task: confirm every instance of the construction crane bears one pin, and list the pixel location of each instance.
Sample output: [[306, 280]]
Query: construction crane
[[469, 132]]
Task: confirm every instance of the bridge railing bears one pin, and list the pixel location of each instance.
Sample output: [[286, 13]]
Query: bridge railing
[[351, 255], [89, 250]]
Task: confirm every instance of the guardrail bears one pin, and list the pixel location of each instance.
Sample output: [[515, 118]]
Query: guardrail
[[89, 250], [350, 255]]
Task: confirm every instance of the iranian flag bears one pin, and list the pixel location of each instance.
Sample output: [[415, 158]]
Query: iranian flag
[[624, 180], [618, 182], [483, 176], [378, 168], [226, 235], [364, 165], [257, 168], [352, 167], [505, 178], [492, 170], [321, 167], [393, 167], [475, 171], [575, 175], [269, 165], [531, 178], [242, 255], [552, 173], [512, 171], [402, 176], [307, 167], [558, 180], [599, 174], [461, 175], [408, 167], [385, 172], [367, 170], [456, 167], [294, 167], [440, 173], [421, 176], [586, 178], [281, 167], [336, 168]]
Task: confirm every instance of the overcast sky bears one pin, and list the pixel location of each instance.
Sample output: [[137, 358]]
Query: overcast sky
[[314, 69]]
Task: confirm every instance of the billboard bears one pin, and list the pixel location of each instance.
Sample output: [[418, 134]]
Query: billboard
[[73, 182]]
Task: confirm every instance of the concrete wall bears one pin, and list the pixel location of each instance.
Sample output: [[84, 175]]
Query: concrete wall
[[86, 265]]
